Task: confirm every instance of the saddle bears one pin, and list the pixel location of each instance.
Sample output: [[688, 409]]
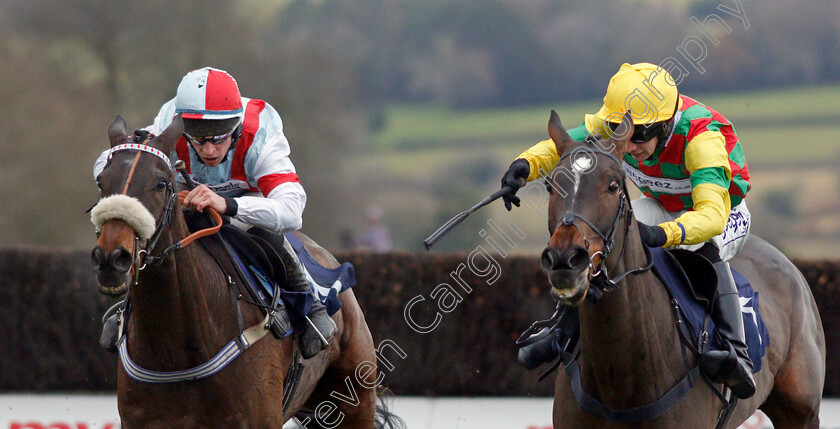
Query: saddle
[[254, 262], [691, 281], [254, 258]]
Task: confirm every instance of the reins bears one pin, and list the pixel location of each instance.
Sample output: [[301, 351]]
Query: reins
[[600, 281], [246, 337], [157, 260], [143, 257]]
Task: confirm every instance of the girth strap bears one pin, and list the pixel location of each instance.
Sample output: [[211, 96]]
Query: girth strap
[[638, 414], [230, 352], [660, 406]]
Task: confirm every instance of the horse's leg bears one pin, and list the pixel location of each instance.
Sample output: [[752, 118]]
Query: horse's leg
[[349, 384], [795, 399], [356, 366], [350, 381], [790, 404]]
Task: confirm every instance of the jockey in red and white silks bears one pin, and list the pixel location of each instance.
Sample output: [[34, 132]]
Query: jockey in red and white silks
[[235, 149], [259, 162]]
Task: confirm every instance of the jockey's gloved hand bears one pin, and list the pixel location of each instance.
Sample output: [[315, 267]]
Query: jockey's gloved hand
[[652, 236], [515, 178]]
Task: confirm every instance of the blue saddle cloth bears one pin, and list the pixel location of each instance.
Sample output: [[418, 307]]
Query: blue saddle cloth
[[694, 313], [325, 283]]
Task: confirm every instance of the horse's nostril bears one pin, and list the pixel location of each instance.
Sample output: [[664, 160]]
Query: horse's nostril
[[97, 257], [577, 257], [120, 259], [548, 259]]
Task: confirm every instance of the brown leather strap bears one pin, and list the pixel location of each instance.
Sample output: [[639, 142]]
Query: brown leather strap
[[131, 172], [204, 232], [134, 164]]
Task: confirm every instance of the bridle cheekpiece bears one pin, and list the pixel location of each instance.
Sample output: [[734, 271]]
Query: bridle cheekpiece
[[599, 276]]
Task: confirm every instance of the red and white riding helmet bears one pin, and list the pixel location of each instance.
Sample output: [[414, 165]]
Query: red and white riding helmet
[[208, 93]]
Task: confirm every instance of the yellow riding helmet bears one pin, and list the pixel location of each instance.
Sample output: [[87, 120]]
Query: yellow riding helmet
[[647, 90]]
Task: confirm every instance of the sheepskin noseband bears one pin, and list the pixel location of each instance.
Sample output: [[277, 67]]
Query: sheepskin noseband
[[128, 209]]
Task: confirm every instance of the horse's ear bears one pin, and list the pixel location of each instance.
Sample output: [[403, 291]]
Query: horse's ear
[[117, 131], [558, 134], [621, 134], [167, 139]]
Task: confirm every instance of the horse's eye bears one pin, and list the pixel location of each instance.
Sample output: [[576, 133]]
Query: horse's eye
[[99, 184], [614, 187], [548, 187], [161, 185]]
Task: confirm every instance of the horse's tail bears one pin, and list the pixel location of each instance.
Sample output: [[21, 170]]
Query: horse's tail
[[384, 418]]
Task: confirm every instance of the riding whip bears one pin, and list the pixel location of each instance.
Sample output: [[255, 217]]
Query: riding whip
[[452, 223], [182, 168]]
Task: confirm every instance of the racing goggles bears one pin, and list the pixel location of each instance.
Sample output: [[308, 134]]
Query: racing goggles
[[214, 140], [642, 133]]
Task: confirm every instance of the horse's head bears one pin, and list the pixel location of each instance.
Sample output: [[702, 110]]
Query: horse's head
[[588, 200], [137, 189]]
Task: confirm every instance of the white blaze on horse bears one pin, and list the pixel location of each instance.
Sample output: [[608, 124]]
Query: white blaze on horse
[[631, 355]]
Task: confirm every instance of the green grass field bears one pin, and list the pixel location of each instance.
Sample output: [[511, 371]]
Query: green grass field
[[433, 162]]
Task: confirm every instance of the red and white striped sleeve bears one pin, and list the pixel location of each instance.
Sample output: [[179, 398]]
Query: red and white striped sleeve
[[267, 162]]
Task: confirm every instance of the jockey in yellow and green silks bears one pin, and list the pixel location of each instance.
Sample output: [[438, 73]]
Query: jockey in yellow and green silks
[[697, 166], [686, 159]]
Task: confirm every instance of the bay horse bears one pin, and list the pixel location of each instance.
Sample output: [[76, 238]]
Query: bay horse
[[184, 311], [630, 351]]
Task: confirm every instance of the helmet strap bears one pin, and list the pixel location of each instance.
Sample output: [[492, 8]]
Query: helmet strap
[[665, 131], [237, 133]]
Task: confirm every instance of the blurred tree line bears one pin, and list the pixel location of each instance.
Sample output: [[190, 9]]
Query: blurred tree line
[[503, 52], [328, 66], [69, 67]]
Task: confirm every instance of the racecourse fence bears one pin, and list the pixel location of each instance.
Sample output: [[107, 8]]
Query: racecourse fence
[[445, 325]]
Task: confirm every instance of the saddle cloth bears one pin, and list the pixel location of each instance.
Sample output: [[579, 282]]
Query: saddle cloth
[[679, 277], [325, 282], [259, 267]]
